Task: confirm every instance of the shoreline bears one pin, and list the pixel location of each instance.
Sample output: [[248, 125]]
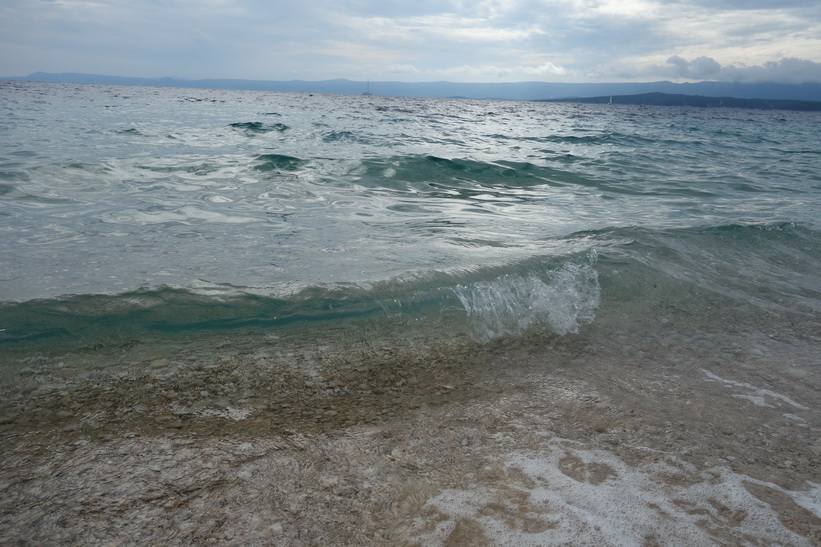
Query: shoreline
[[367, 434]]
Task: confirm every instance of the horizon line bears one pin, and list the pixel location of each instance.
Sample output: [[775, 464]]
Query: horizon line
[[541, 82]]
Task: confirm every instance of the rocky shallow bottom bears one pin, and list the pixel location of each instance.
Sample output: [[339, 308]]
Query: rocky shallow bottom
[[698, 434]]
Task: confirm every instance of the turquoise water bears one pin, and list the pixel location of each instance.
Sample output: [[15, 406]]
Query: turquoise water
[[126, 211]]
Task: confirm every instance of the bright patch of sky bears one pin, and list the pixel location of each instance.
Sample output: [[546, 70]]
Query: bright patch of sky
[[419, 40]]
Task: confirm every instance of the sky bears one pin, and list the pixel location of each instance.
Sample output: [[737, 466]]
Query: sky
[[575, 41]]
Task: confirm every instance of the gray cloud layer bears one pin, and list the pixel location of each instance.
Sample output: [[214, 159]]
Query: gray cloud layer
[[485, 40], [789, 71]]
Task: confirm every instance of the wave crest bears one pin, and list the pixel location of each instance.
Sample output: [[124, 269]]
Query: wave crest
[[511, 304]]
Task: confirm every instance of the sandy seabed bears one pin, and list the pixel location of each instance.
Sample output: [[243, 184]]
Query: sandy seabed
[[623, 434]]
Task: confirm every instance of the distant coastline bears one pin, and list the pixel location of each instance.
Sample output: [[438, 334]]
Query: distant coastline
[[706, 93], [700, 101]]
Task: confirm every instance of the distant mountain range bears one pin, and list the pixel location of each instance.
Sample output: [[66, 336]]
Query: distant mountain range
[[509, 91], [669, 99]]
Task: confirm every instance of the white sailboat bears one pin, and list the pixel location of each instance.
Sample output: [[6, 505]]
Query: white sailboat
[[368, 88]]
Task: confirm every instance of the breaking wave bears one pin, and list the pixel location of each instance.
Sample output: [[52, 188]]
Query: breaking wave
[[513, 304]]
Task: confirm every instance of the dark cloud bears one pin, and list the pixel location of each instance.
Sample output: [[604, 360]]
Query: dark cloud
[[788, 70], [700, 68]]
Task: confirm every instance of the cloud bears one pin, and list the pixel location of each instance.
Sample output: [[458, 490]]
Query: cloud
[[503, 73], [545, 69], [754, 4], [485, 40], [396, 68], [700, 68], [792, 71], [788, 71]]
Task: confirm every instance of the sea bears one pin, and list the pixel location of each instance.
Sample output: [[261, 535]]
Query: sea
[[547, 322]]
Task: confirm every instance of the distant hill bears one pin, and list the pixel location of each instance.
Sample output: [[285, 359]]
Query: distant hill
[[527, 91], [669, 99]]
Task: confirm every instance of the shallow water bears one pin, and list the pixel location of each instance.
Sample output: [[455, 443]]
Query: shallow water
[[243, 317]]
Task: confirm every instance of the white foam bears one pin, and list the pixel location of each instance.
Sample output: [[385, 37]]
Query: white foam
[[757, 400], [796, 418], [569, 496], [810, 500], [184, 215], [759, 392], [512, 304]]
